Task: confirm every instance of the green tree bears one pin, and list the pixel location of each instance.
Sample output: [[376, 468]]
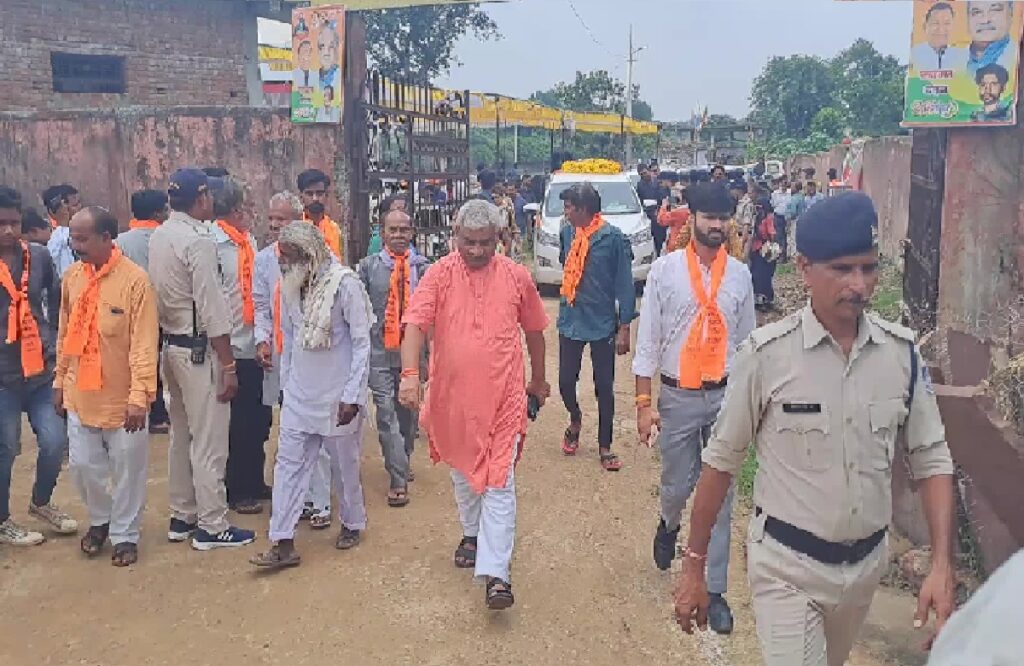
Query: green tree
[[595, 91], [789, 92], [869, 89], [416, 44]]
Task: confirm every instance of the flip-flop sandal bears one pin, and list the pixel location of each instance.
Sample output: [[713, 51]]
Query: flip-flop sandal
[[272, 559], [320, 521], [125, 554], [465, 557], [610, 462], [499, 598], [93, 541], [570, 442], [308, 511], [399, 499]]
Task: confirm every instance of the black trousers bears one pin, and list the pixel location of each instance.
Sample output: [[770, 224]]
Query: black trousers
[[762, 272], [248, 432], [158, 410], [781, 235], [660, 235], [602, 357]]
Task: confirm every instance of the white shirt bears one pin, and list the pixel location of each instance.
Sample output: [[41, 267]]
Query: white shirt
[[924, 58], [780, 200], [59, 246], [265, 276], [987, 631], [243, 341], [316, 382], [669, 308]]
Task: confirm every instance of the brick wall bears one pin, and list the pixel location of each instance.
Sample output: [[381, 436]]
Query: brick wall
[[109, 154], [177, 51]]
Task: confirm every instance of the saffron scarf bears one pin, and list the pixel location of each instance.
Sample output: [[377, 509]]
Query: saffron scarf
[[398, 300], [278, 331], [246, 262], [576, 260], [83, 335], [53, 222], [143, 224], [703, 356], [330, 231], [21, 325]]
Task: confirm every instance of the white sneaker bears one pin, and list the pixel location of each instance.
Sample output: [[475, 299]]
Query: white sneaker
[[61, 522], [14, 534]]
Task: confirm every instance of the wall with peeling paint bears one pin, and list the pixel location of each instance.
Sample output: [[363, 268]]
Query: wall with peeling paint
[[109, 154]]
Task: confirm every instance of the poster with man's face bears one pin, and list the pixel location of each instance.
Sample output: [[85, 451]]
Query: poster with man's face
[[963, 63], [318, 37]]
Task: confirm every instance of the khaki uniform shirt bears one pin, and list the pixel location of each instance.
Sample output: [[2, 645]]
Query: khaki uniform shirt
[[825, 427], [126, 316], [183, 268]]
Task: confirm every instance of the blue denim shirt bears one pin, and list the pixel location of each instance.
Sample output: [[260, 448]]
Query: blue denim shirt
[[606, 297]]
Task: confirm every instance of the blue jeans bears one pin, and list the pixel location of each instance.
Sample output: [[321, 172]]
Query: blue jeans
[[51, 434]]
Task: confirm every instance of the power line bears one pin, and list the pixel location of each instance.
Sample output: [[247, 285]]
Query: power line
[[591, 32]]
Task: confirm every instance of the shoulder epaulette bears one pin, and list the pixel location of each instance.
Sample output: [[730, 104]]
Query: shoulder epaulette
[[775, 330], [892, 328]]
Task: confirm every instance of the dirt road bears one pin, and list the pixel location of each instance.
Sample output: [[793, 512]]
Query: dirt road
[[587, 590]]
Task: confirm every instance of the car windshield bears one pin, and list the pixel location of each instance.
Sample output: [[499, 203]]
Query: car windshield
[[617, 198]]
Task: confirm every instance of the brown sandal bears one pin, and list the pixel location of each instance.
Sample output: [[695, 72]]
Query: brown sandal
[[272, 559], [94, 540], [398, 497], [125, 554]]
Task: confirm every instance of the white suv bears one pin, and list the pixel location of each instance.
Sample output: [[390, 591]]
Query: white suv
[[620, 206]]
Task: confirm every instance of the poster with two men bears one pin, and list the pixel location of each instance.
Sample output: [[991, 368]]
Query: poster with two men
[[318, 38], [963, 64]]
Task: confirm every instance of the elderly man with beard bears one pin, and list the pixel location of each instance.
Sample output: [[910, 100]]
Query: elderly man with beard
[[326, 318], [475, 415], [285, 208], [697, 309], [390, 277]]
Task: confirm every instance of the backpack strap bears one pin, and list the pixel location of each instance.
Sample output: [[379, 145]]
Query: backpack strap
[[913, 373]]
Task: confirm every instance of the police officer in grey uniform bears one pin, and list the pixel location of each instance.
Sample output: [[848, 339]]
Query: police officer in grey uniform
[[827, 396]]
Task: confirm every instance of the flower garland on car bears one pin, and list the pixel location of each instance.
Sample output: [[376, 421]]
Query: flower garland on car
[[592, 166]]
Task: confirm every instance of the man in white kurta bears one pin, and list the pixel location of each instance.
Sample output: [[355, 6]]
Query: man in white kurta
[[326, 319]]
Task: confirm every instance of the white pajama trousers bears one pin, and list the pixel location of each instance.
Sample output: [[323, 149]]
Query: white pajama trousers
[[109, 468], [491, 518], [297, 454]]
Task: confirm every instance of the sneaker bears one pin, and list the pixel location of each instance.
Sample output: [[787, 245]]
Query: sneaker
[[720, 615], [180, 531], [232, 537], [61, 522], [14, 534], [665, 546]]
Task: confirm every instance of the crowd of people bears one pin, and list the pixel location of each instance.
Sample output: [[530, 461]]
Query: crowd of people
[[825, 394]]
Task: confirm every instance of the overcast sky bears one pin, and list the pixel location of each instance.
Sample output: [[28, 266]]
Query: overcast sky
[[696, 51]]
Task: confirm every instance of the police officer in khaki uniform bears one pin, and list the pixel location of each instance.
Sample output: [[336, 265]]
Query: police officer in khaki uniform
[[198, 364], [827, 396]]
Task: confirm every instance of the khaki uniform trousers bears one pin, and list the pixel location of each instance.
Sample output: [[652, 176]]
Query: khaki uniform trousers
[[808, 613], [198, 452]]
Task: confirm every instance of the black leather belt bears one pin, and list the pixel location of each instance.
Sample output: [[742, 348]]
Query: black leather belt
[[706, 386], [816, 548], [184, 341]]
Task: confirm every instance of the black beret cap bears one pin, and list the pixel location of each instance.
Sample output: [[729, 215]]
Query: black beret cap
[[840, 226]]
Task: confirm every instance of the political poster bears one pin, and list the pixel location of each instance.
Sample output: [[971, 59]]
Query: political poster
[[963, 64], [318, 39]]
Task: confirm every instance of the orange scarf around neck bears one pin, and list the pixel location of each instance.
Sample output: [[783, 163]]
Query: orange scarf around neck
[[53, 222], [398, 300], [330, 231], [83, 336], [246, 262], [143, 224], [703, 356], [576, 260], [21, 325], [278, 331]]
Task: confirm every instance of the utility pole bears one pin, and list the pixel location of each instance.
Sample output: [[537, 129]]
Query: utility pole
[[629, 95]]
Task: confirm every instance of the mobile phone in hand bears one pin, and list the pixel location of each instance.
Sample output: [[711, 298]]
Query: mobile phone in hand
[[532, 407]]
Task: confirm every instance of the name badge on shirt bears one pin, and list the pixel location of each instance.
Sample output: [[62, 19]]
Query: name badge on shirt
[[801, 407]]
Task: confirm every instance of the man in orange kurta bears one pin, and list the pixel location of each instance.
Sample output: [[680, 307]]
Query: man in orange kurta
[[476, 304]]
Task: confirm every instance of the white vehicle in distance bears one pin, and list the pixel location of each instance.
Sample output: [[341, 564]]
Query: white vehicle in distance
[[620, 206]]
